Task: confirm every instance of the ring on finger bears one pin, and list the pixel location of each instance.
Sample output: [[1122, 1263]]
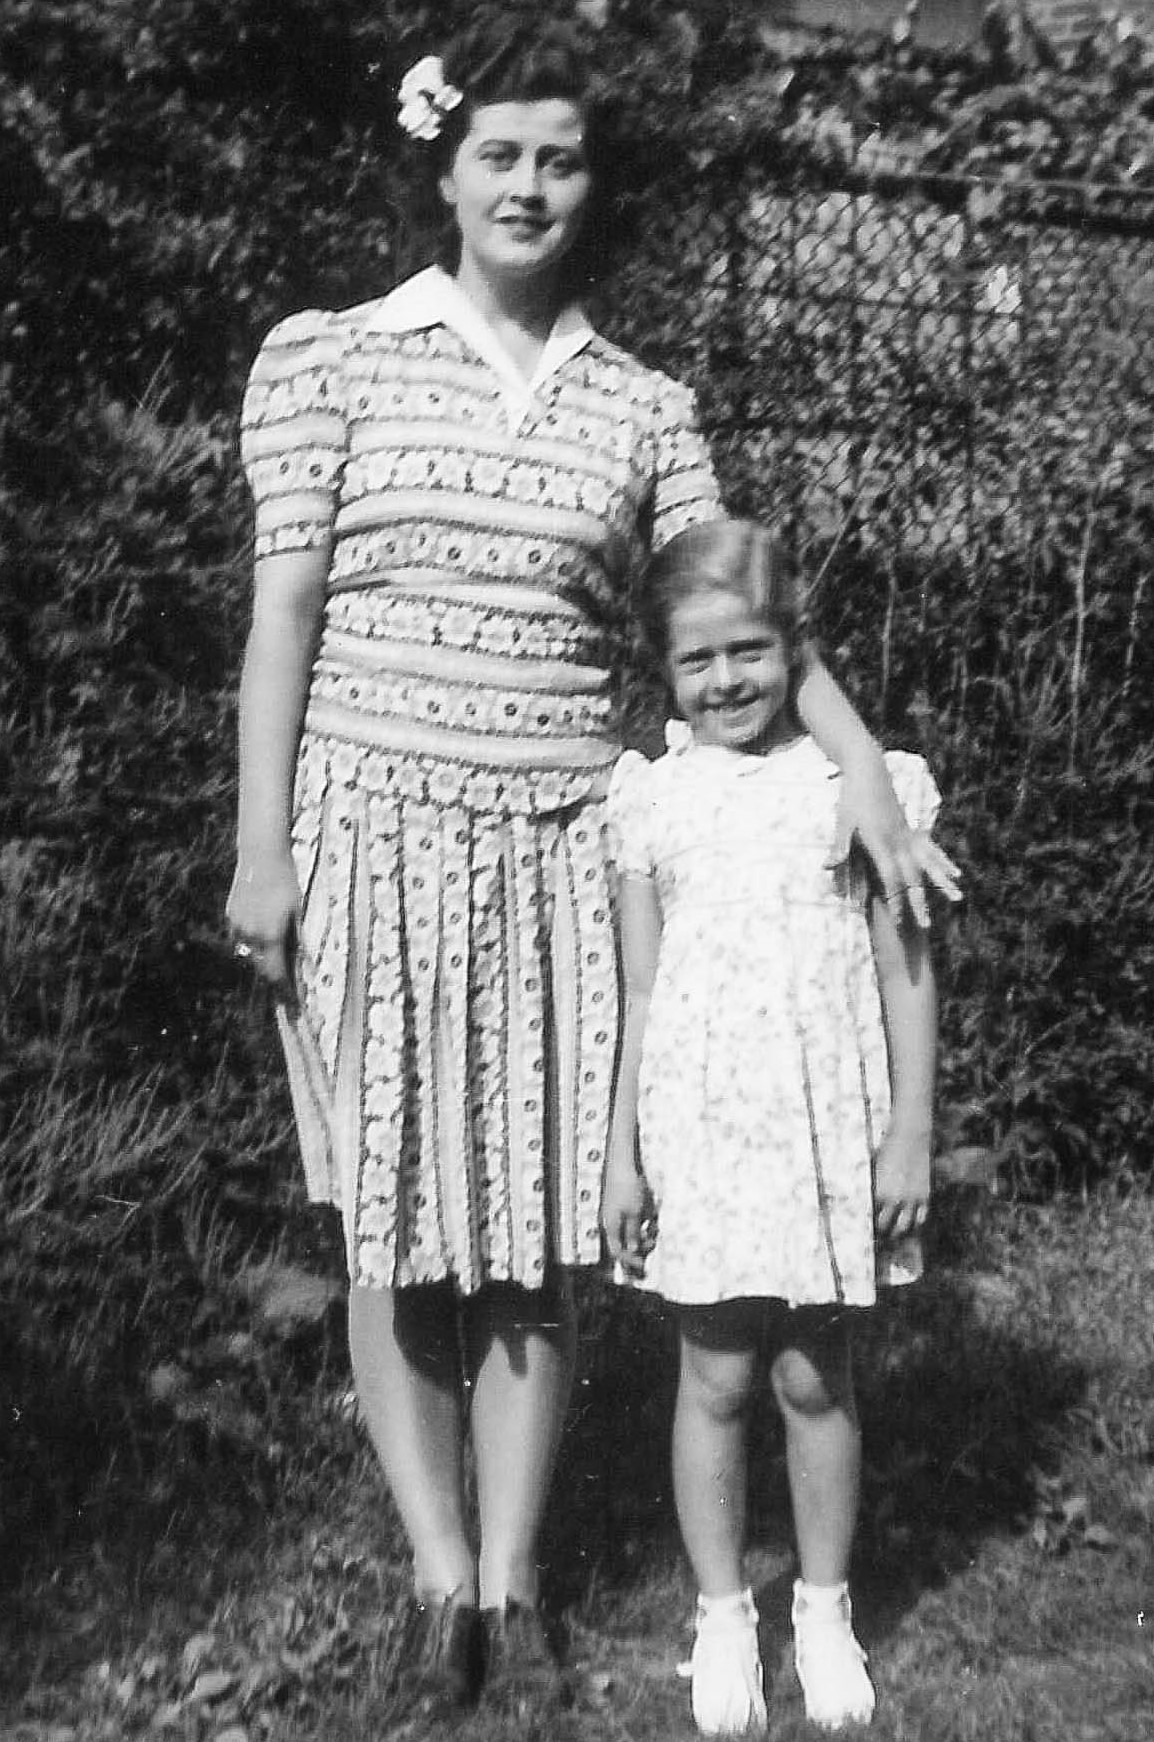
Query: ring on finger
[[243, 950]]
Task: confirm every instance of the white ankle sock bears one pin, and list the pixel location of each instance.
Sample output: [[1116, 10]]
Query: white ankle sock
[[821, 1599]]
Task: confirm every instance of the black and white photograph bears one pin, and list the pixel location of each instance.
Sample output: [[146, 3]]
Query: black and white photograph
[[576, 870]]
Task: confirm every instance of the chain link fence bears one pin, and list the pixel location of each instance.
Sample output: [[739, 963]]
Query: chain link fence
[[952, 354], [954, 378]]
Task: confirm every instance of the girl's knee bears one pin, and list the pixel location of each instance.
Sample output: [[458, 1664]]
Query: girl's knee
[[718, 1386], [810, 1388]]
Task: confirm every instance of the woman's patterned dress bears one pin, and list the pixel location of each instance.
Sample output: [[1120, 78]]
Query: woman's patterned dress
[[451, 1061]]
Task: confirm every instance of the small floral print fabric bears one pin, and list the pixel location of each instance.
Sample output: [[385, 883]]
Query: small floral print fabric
[[764, 1082], [452, 1056]]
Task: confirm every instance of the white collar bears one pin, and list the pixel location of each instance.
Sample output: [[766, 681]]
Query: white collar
[[432, 299], [679, 741]]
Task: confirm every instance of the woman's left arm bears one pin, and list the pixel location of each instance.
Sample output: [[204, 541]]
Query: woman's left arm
[[903, 860]]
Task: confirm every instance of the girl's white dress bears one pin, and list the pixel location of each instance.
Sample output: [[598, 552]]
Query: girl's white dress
[[764, 1085]]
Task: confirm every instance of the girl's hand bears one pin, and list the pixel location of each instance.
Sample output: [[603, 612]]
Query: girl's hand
[[901, 1185], [263, 911], [905, 860], [625, 1204]]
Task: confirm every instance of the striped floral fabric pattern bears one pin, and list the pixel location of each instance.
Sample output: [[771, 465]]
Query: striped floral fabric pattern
[[452, 1056]]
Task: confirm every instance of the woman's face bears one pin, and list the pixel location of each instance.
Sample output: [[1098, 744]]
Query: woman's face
[[519, 187]]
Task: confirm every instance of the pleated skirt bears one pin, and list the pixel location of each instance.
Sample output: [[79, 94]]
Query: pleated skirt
[[451, 1053]]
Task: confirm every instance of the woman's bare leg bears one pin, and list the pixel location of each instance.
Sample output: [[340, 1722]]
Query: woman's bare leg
[[407, 1367], [522, 1345]]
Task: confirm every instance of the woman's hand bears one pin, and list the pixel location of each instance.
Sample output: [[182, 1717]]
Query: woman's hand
[[905, 863], [625, 1205], [901, 1185], [905, 860], [263, 911]]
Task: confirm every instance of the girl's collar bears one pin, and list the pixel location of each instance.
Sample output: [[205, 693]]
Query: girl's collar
[[679, 741]]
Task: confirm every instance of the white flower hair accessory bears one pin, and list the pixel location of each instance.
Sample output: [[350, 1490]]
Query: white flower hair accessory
[[426, 98]]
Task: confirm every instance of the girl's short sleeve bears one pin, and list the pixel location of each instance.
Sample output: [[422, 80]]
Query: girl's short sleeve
[[686, 489], [916, 789], [917, 793], [629, 805], [294, 432]]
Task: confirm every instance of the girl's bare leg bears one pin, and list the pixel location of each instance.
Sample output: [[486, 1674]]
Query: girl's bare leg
[[814, 1388], [812, 1379], [718, 1355], [522, 1344], [407, 1367]]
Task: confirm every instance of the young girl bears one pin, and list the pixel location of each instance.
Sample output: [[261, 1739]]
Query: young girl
[[784, 1149]]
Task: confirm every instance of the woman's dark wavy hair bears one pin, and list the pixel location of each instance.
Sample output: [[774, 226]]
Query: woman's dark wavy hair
[[723, 556], [512, 55]]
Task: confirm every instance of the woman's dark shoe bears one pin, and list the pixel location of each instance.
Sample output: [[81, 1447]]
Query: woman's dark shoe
[[522, 1674], [442, 1663]]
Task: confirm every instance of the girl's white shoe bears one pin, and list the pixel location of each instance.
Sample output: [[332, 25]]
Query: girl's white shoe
[[728, 1696], [831, 1665]]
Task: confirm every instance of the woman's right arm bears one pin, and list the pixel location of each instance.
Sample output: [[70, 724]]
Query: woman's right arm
[[624, 1193], [264, 902]]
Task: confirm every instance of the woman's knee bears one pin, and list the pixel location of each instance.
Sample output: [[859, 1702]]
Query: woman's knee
[[416, 1327], [521, 1320]]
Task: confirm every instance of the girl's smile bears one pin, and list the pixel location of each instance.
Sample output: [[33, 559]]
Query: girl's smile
[[519, 187], [729, 671]]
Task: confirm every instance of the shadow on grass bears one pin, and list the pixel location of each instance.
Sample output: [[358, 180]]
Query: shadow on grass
[[959, 1394], [960, 1390]]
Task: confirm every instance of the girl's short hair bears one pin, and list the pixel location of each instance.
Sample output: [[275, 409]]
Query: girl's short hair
[[724, 556], [510, 54]]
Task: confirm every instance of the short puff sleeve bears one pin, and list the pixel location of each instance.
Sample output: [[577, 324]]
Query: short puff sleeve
[[916, 789], [629, 808], [294, 432], [685, 487]]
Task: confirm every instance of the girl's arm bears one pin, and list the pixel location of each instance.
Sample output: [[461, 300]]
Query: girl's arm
[[910, 1005], [624, 1192], [265, 899], [903, 861]]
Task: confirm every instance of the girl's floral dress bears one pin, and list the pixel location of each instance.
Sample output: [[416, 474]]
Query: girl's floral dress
[[764, 1085]]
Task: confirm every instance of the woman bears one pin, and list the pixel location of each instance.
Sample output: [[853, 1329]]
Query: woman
[[452, 484]]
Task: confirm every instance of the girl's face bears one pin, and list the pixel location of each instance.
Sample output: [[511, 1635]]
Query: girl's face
[[729, 671], [519, 187]]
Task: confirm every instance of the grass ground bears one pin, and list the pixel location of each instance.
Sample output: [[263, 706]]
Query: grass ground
[[1005, 1577]]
